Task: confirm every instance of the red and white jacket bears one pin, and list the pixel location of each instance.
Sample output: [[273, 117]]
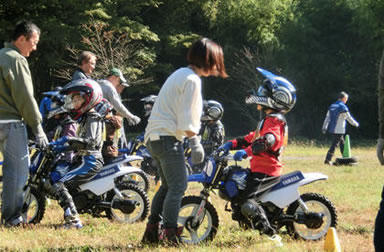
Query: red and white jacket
[[266, 162]]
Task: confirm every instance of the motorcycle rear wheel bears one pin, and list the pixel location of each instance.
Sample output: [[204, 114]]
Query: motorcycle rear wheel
[[139, 179], [315, 203], [34, 206], [204, 231], [130, 192]]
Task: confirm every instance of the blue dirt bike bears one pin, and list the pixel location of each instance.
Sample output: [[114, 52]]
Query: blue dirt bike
[[307, 216], [112, 191]]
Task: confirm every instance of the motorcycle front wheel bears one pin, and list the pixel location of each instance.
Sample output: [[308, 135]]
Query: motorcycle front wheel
[[316, 203], [133, 193], [205, 229], [34, 206]]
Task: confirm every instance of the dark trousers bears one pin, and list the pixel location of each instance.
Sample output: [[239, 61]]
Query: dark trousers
[[378, 236], [169, 155], [337, 140]]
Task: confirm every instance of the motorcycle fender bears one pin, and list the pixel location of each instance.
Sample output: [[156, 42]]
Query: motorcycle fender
[[310, 177], [104, 184], [286, 195], [282, 197]]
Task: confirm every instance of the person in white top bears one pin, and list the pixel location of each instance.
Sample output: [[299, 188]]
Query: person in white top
[[175, 115]]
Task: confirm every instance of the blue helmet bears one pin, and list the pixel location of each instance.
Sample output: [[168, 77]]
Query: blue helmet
[[276, 93]]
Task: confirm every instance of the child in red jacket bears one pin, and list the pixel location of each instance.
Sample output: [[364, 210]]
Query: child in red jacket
[[275, 97]]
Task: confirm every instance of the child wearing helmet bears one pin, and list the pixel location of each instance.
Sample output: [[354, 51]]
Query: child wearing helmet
[[212, 130], [148, 104], [85, 104], [275, 97]]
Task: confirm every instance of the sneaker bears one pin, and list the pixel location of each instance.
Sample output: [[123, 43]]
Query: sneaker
[[276, 239], [326, 162], [74, 224]]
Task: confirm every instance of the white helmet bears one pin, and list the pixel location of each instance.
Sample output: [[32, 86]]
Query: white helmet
[[89, 89]]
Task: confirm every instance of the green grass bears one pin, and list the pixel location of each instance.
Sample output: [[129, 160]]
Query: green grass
[[354, 190]]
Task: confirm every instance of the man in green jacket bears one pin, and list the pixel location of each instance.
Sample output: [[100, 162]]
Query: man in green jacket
[[17, 108]]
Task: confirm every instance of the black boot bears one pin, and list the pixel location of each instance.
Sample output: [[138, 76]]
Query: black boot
[[71, 217], [171, 236], [151, 234], [256, 214]]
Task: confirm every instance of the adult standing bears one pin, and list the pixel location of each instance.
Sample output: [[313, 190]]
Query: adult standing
[[335, 124], [86, 64], [17, 108], [112, 87], [378, 237], [175, 115]]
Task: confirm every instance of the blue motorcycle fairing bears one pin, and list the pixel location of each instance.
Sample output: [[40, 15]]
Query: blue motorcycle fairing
[[288, 179], [35, 162], [106, 172], [235, 181], [143, 152], [207, 174]]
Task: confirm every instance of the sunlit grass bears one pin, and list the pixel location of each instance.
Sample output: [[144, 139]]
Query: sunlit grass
[[354, 190]]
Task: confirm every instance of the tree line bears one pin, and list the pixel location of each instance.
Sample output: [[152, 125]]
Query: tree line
[[321, 46]]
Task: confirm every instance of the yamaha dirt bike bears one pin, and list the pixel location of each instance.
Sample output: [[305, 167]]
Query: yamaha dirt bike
[[307, 216], [136, 146], [110, 191]]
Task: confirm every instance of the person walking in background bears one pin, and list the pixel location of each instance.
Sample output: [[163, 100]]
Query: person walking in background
[[17, 108], [86, 64], [335, 124], [175, 115], [112, 87]]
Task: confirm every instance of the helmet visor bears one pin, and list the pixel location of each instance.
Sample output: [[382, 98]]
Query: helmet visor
[[73, 101]]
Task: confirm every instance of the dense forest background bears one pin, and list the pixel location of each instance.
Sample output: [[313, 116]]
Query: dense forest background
[[321, 46]]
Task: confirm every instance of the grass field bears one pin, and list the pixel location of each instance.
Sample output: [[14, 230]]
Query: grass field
[[354, 190]]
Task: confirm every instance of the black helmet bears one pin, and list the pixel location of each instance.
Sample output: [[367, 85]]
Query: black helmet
[[212, 111], [149, 99], [276, 93], [148, 104]]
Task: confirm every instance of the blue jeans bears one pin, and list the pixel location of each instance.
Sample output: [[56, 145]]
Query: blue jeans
[[14, 146], [169, 154]]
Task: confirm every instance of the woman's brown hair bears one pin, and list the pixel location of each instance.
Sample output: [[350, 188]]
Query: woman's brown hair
[[207, 55]]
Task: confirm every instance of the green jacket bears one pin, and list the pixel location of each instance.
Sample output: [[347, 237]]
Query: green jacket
[[16, 89]]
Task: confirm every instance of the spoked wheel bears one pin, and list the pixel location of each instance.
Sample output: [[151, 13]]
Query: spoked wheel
[[320, 217], [34, 206], [139, 179], [133, 207], [205, 229]]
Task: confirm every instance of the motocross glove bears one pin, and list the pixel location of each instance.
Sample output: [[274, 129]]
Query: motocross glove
[[239, 155], [40, 137], [225, 147], [379, 150], [197, 150]]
